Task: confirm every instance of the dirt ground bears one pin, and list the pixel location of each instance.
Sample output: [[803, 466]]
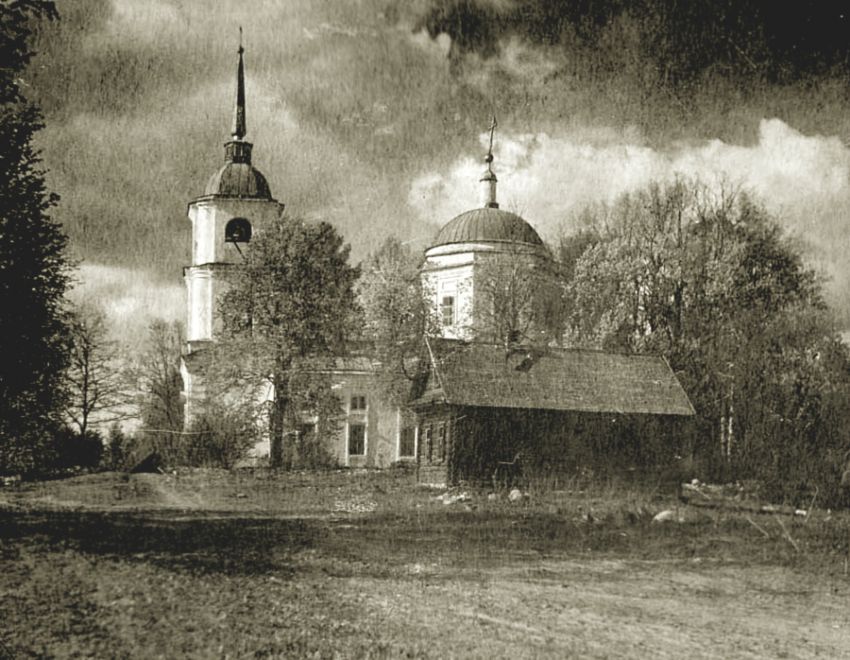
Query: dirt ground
[[371, 567]]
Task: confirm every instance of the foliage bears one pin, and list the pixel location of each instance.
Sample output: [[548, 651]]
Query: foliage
[[291, 301], [217, 439], [33, 265], [396, 315], [518, 299], [78, 450], [119, 450], [97, 391], [709, 282], [315, 417]]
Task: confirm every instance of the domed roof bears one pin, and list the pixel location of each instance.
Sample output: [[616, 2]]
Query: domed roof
[[238, 180], [487, 224]]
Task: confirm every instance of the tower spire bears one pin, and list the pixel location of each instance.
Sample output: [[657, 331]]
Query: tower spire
[[489, 177], [237, 150], [239, 130]]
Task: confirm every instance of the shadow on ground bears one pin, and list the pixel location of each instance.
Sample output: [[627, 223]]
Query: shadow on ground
[[374, 545], [231, 545]]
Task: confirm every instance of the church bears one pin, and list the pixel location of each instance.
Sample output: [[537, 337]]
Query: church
[[485, 397]]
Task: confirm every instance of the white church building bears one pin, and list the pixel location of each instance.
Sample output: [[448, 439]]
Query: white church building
[[236, 205]]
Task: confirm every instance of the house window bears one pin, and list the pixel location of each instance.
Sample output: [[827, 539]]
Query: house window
[[358, 402], [441, 443], [407, 443], [428, 443], [306, 430], [447, 310], [356, 439]]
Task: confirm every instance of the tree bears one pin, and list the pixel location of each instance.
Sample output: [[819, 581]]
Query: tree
[[288, 310], [157, 373], [34, 270], [518, 299], [396, 315], [97, 390], [158, 385], [709, 281]]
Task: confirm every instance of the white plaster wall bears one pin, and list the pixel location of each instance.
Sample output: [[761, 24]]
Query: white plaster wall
[[200, 303], [209, 217], [188, 393], [203, 233], [452, 268], [451, 275]]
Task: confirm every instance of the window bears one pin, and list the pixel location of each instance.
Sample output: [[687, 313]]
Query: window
[[237, 230], [447, 310], [306, 430], [441, 443], [356, 439], [428, 448], [407, 443], [358, 402]]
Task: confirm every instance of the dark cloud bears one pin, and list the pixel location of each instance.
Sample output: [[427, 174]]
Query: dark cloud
[[355, 107], [682, 40]]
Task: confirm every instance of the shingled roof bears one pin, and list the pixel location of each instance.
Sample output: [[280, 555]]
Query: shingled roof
[[555, 379]]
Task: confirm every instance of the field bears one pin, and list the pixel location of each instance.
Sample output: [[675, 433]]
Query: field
[[215, 565]]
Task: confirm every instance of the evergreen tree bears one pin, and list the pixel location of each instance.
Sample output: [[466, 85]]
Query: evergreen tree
[[33, 267]]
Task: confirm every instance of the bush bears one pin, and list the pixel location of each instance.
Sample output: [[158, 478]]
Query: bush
[[75, 450], [121, 451], [29, 452], [216, 441], [307, 451]]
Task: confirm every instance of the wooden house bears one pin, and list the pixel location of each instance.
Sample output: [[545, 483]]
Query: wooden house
[[545, 413]]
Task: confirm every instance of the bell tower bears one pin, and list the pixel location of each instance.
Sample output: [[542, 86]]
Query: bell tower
[[237, 203]]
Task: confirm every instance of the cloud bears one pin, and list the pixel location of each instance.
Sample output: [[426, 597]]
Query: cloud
[[804, 180], [367, 117], [147, 20], [130, 298]]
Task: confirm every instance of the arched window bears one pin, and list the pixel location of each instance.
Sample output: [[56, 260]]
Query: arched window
[[237, 230]]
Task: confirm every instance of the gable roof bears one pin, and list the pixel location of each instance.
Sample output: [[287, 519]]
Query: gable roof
[[486, 375]]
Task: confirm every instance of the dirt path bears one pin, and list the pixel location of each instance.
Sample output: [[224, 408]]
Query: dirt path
[[612, 609], [160, 566]]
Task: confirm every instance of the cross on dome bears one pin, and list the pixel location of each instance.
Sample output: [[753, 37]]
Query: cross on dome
[[489, 177]]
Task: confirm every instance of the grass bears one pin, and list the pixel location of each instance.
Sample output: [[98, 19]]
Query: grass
[[213, 564]]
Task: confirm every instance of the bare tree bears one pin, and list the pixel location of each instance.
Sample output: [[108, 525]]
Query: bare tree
[[518, 299], [396, 313], [158, 377], [97, 391]]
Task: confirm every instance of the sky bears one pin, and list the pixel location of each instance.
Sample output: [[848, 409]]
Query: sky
[[373, 115]]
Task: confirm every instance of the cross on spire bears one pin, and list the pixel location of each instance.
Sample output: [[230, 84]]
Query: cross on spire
[[489, 157], [488, 179]]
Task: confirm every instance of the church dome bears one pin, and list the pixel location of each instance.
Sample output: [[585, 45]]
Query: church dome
[[238, 180], [487, 225]]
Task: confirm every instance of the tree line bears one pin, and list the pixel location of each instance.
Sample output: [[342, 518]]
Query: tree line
[[707, 279]]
